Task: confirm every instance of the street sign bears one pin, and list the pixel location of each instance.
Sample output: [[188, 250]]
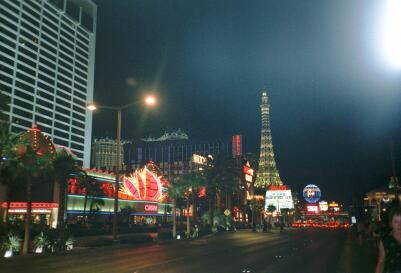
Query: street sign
[[227, 212]]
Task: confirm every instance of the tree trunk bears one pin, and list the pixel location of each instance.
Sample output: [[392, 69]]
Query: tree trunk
[[174, 219], [212, 198], [85, 204], [28, 218], [8, 196], [188, 226], [65, 206], [61, 206], [194, 209]]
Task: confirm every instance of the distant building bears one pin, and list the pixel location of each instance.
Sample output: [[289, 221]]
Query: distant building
[[104, 153], [173, 152], [378, 202], [47, 53]]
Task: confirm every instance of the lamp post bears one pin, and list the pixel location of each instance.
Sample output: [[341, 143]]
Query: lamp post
[[149, 100]]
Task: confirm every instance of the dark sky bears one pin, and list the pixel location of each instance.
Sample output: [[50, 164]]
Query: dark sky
[[335, 103]]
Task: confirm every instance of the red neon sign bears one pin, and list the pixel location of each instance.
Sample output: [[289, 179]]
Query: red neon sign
[[278, 188], [151, 207], [35, 205], [247, 170], [236, 145], [186, 213], [143, 184]]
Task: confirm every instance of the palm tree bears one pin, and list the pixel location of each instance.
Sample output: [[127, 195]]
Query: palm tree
[[175, 190], [270, 209], [92, 191], [31, 168], [256, 208], [88, 185], [64, 165], [221, 175], [191, 183], [8, 141], [7, 169]]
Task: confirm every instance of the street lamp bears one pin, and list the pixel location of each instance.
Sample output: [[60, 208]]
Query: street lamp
[[148, 100]]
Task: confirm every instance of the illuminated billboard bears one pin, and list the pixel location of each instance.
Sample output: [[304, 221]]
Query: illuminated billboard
[[312, 209], [280, 197], [323, 206], [248, 172], [311, 193], [198, 159]]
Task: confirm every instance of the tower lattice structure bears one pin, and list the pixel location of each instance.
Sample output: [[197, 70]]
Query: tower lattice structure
[[267, 173]]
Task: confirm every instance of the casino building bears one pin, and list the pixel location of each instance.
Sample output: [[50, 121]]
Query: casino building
[[142, 193]]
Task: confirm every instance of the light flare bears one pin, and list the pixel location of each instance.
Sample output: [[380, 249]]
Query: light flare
[[392, 32]]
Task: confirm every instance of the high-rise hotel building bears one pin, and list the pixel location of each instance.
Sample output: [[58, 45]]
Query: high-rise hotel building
[[47, 57]]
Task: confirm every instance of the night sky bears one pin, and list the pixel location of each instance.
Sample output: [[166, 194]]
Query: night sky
[[335, 102]]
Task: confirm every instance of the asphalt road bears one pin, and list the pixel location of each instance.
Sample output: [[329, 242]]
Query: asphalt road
[[294, 251]]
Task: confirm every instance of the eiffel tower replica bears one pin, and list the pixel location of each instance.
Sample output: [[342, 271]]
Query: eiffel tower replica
[[267, 173]]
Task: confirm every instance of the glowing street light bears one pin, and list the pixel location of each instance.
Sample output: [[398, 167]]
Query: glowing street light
[[91, 107], [149, 100], [392, 32]]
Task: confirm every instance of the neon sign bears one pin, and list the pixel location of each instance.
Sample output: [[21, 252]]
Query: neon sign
[[236, 145], [312, 208], [151, 207], [33, 211], [323, 206], [35, 205], [333, 204], [143, 185], [278, 188], [248, 172], [311, 193], [198, 159]]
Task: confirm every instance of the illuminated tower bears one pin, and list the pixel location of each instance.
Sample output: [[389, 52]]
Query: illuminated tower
[[267, 173]]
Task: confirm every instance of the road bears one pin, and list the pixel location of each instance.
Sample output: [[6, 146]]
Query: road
[[294, 251]]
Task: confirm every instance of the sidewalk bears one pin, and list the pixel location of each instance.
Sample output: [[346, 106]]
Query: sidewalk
[[356, 258]]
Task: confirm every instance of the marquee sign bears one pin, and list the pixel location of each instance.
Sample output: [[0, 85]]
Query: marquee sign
[[281, 198], [311, 193]]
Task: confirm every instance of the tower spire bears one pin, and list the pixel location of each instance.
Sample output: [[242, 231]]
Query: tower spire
[[267, 173]]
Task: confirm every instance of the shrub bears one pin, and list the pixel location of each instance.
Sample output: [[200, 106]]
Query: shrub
[[205, 230], [11, 242], [58, 240], [41, 243]]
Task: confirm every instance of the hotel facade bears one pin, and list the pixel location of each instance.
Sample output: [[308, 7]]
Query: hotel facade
[[47, 57]]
